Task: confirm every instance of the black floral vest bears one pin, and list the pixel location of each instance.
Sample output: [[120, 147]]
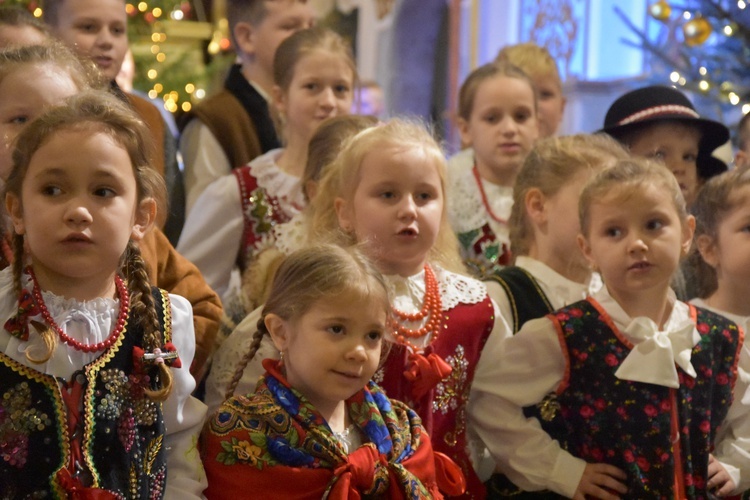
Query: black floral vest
[[627, 424], [123, 430]]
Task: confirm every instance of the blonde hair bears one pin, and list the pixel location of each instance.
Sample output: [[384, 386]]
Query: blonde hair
[[327, 141], [323, 148], [551, 164], [468, 93], [716, 199], [626, 178], [83, 73], [321, 272], [99, 112], [343, 176], [534, 60]]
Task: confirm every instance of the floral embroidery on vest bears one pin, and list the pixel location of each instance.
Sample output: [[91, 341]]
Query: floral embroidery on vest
[[628, 423], [17, 421], [482, 252], [452, 389]]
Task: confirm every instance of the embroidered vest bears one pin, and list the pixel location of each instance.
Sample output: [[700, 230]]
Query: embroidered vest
[[123, 430], [527, 302], [260, 213], [443, 409], [482, 252], [627, 424]]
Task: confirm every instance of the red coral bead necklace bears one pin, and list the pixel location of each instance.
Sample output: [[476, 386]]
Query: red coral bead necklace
[[431, 308], [122, 294]]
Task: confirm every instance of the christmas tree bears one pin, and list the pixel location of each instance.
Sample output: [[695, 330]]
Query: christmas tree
[[175, 50], [703, 47]]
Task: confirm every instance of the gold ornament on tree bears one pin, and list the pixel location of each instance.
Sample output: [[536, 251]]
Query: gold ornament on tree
[[696, 31], [661, 10]]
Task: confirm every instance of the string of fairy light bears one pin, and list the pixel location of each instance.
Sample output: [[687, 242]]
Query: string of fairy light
[[713, 70], [175, 96]]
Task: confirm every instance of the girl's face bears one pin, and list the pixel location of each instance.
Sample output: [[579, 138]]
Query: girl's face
[[562, 226], [24, 95], [502, 127], [729, 253], [77, 211], [396, 209], [676, 145], [551, 104], [636, 240], [95, 29], [320, 88], [331, 351]]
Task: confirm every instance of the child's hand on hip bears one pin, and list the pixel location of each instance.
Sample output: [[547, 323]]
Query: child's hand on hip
[[601, 481], [718, 478]]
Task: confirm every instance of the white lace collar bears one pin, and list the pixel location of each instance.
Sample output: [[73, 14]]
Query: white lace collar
[[292, 235], [88, 322], [285, 187], [408, 293], [466, 210]]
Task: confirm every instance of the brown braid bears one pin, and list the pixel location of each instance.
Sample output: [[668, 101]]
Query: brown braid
[[48, 335], [249, 355], [143, 313]]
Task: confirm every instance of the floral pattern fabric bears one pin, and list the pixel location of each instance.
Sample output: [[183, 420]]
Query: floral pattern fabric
[[628, 423], [279, 430]]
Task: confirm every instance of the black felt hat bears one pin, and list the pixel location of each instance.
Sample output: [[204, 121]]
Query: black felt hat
[[657, 103]]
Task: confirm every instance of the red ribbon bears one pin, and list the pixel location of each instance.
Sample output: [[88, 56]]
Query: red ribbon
[[77, 491], [357, 473], [424, 372], [18, 325], [448, 474]]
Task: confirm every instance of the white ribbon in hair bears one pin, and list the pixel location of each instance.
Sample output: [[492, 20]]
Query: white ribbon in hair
[[655, 354]]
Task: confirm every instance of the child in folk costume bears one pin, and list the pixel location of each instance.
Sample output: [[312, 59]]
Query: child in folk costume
[[549, 270], [32, 78], [316, 425], [498, 117], [387, 191], [96, 399], [293, 235], [234, 218], [722, 233], [642, 381]]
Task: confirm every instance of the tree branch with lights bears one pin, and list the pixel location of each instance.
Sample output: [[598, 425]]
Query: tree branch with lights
[[703, 47]]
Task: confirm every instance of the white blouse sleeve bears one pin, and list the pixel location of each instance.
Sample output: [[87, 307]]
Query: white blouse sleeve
[[212, 235], [733, 439], [204, 158], [183, 414], [514, 372]]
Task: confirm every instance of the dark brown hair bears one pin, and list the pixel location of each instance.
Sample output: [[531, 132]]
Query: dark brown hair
[[99, 112]]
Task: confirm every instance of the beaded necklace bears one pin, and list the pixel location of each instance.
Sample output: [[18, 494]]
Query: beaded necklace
[[431, 307], [122, 294], [486, 204]]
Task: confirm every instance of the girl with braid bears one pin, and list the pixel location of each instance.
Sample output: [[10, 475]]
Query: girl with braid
[[94, 382], [316, 425]]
